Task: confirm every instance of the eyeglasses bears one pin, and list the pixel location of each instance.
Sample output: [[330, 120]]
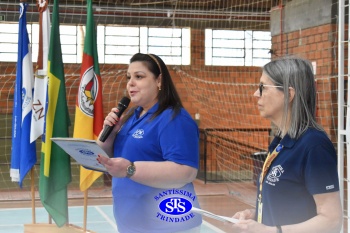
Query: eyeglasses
[[261, 87]]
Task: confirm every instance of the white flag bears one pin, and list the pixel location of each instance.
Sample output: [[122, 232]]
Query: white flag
[[40, 85]]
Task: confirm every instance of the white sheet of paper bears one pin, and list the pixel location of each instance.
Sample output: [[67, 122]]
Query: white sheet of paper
[[84, 151], [214, 216]]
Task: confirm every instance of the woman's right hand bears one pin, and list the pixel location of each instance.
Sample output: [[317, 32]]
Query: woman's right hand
[[112, 119]]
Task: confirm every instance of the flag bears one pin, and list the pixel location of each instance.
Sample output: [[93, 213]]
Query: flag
[[40, 82], [23, 152], [88, 110], [55, 170]]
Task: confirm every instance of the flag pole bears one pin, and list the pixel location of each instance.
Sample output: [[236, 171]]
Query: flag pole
[[33, 195], [85, 208]]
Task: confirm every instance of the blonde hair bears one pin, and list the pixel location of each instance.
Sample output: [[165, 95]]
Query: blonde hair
[[296, 73]]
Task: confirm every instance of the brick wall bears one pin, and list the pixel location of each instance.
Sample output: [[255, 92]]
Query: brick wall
[[319, 45], [113, 78], [316, 44]]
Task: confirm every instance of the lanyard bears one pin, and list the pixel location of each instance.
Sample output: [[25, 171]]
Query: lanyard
[[267, 164]]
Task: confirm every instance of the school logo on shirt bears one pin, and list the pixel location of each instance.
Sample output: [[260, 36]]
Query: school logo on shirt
[[175, 205], [138, 133], [274, 175]]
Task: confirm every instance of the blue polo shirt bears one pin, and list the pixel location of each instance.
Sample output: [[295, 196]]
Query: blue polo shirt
[[140, 208], [303, 168]]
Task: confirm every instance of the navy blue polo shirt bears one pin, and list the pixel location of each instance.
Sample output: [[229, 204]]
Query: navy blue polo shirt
[[303, 168]]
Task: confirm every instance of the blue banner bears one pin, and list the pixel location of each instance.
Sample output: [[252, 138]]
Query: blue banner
[[23, 153]]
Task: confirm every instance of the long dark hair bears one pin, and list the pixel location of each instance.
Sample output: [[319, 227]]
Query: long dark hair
[[168, 96]]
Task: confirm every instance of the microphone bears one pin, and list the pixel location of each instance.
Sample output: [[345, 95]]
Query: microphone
[[122, 105]]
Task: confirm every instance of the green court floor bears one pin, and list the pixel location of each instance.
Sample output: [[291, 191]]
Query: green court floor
[[100, 219]]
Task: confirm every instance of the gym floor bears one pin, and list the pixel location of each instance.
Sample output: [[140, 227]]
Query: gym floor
[[213, 197]]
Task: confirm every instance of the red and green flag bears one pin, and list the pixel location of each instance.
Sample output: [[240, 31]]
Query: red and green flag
[[88, 110]]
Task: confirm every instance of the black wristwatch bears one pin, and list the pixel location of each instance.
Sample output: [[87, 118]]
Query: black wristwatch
[[279, 229], [130, 170]]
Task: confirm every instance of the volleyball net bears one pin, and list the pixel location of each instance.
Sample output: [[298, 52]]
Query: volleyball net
[[214, 51]]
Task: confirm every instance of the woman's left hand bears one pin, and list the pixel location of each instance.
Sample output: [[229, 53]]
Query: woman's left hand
[[116, 167]]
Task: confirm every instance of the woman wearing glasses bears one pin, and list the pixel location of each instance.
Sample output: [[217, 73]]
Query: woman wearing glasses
[[298, 188]]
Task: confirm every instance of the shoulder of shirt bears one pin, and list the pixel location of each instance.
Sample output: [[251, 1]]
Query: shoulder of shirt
[[316, 137], [182, 115], [311, 136], [312, 133]]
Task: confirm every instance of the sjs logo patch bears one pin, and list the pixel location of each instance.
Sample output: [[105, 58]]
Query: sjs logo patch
[[175, 206]]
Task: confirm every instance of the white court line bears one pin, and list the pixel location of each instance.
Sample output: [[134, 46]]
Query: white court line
[[8, 209], [110, 221], [212, 227], [206, 224]]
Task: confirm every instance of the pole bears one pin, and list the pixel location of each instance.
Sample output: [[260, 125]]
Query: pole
[[33, 194], [85, 209]]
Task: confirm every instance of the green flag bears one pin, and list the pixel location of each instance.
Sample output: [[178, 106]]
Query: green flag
[[55, 171]]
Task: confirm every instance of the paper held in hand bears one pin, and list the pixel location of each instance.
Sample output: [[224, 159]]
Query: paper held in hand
[[214, 216], [84, 151]]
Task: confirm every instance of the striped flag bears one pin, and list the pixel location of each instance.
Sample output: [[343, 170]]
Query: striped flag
[[23, 152], [88, 110], [40, 83], [55, 168]]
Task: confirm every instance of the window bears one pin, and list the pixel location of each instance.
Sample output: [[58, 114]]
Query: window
[[8, 41], [115, 44], [9, 38], [237, 48], [119, 43], [70, 44]]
